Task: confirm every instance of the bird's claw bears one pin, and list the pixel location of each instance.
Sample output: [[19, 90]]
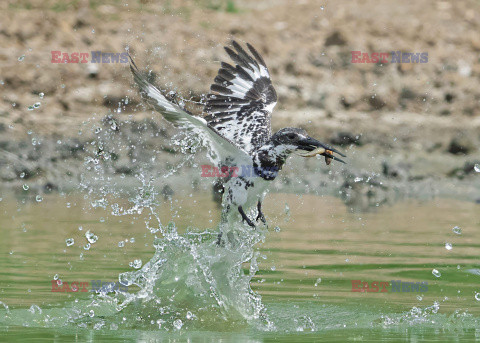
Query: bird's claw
[[261, 217], [249, 222], [245, 217]]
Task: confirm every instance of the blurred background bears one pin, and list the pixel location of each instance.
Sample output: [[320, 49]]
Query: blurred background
[[404, 121]]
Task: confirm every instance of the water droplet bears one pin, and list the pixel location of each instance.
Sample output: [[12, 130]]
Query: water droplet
[[87, 246], [436, 273], [189, 315], [25, 187], [70, 242], [22, 175], [322, 8], [477, 296], [178, 324], [35, 308], [55, 277], [476, 167], [419, 298], [21, 58], [41, 95], [91, 237], [91, 313], [136, 263], [38, 198], [318, 281], [448, 246], [457, 230], [121, 244], [36, 105], [30, 108], [277, 229], [358, 179]]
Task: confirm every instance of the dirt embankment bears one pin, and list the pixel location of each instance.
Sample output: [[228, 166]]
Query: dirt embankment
[[406, 112]]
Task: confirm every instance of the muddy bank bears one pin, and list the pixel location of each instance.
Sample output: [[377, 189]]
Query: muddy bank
[[382, 168], [400, 123]]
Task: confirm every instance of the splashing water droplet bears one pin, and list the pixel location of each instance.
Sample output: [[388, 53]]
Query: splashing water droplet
[[448, 246], [38, 198], [136, 264], [121, 244], [436, 273], [36, 105], [55, 277], [91, 237], [419, 297], [178, 324], [477, 296], [457, 230], [318, 281], [25, 187], [70, 242], [21, 58], [41, 95], [30, 108], [476, 167], [35, 308]]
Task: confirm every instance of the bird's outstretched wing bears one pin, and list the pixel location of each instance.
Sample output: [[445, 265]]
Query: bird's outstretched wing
[[220, 148], [242, 99]]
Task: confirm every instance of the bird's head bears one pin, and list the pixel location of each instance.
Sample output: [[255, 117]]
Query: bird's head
[[297, 140]]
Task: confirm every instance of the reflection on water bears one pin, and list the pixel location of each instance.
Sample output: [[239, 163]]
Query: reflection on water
[[307, 262]]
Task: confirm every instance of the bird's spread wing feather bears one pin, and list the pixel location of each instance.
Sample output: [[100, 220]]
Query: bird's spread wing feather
[[242, 99], [220, 148]]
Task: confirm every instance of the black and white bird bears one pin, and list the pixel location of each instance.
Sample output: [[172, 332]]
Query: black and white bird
[[236, 129]]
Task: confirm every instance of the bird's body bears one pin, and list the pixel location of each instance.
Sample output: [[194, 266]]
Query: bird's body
[[237, 130]]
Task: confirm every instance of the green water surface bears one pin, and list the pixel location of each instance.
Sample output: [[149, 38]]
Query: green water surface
[[314, 249]]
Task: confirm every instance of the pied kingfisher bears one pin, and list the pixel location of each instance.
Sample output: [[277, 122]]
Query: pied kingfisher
[[236, 129]]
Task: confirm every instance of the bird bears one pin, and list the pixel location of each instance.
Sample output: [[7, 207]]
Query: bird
[[236, 129]]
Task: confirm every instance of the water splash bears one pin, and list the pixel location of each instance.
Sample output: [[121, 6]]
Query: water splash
[[190, 281]]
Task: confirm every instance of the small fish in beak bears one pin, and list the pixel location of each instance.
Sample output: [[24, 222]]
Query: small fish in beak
[[324, 152]]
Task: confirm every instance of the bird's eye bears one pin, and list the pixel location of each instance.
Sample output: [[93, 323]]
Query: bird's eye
[[291, 136]]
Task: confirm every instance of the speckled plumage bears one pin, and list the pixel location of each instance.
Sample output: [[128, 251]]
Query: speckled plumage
[[236, 128]]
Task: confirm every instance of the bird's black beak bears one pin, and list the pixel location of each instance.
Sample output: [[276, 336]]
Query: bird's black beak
[[312, 147]]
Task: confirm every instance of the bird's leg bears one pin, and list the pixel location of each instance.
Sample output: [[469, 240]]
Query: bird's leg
[[219, 239], [260, 213], [244, 217], [223, 221]]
